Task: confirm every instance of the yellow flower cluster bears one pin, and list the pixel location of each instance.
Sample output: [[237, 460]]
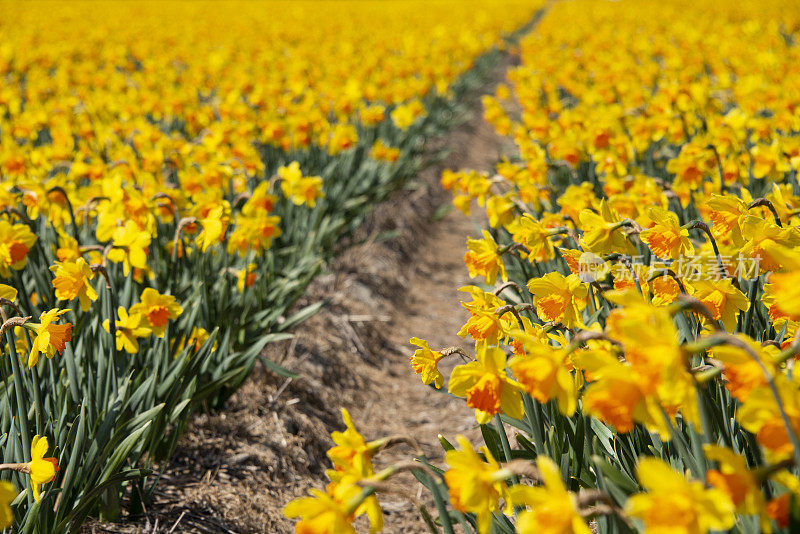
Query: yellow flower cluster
[[172, 175], [102, 125], [648, 245]]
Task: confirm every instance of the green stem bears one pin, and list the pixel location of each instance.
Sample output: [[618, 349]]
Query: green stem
[[22, 412], [683, 447], [533, 416], [504, 441]]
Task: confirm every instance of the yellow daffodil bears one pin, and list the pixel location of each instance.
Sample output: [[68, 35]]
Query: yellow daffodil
[[299, 189], [7, 494], [42, 470], [129, 329], [425, 362], [156, 310], [665, 236], [486, 385], [534, 235], [675, 504], [246, 277], [475, 484], [130, 246], [552, 509], [16, 240], [8, 292], [50, 338], [484, 324], [214, 225], [761, 415], [500, 210], [740, 484], [559, 298], [351, 449], [483, 259], [722, 299], [544, 372], [321, 514], [603, 232], [72, 281]]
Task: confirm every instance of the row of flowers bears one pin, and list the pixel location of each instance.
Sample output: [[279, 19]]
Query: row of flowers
[[165, 202], [625, 373]]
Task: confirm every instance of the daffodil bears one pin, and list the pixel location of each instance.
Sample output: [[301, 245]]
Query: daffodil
[[500, 210], [743, 373], [760, 240], [727, 213], [50, 338], [760, 414], [486, 385], [425, 362], [352, 461], [559, 298], [130, 244], [351, 449], [299, 189], [722, 299], [782, 293], [665, 236], [544, 372], [404, 115], [475, 484], [7, 494], [156, 310], [321, 514], [484, 324], [552, 509], [8, 292], [16, 240], [72, 281], [675, 504], [42, 470], [214, 225], [128, 329], [603, 232], [245, 277], [534, 235], [735, 479], [483, 259], [620, 396]]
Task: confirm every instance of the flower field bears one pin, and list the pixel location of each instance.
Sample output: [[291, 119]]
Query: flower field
[[633, 323], [173, 177]]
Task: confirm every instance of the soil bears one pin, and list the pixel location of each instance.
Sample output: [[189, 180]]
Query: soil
[[234, 470]]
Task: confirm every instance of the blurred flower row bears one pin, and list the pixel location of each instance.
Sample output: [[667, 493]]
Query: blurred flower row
[[173, 176]]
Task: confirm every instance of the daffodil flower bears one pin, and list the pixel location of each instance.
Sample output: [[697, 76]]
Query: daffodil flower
[[156, 310], [16, 240], [72, 281], [129, 327], [675, 504], [553, 509], [475, 485], [50, 338], [130, 246], [42, 470], [486, 385], [483, 259], [7, 494], [425, 362]]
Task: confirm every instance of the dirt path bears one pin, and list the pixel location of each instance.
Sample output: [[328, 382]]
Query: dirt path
[[234, 470], [409, 287], [429, 307]]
